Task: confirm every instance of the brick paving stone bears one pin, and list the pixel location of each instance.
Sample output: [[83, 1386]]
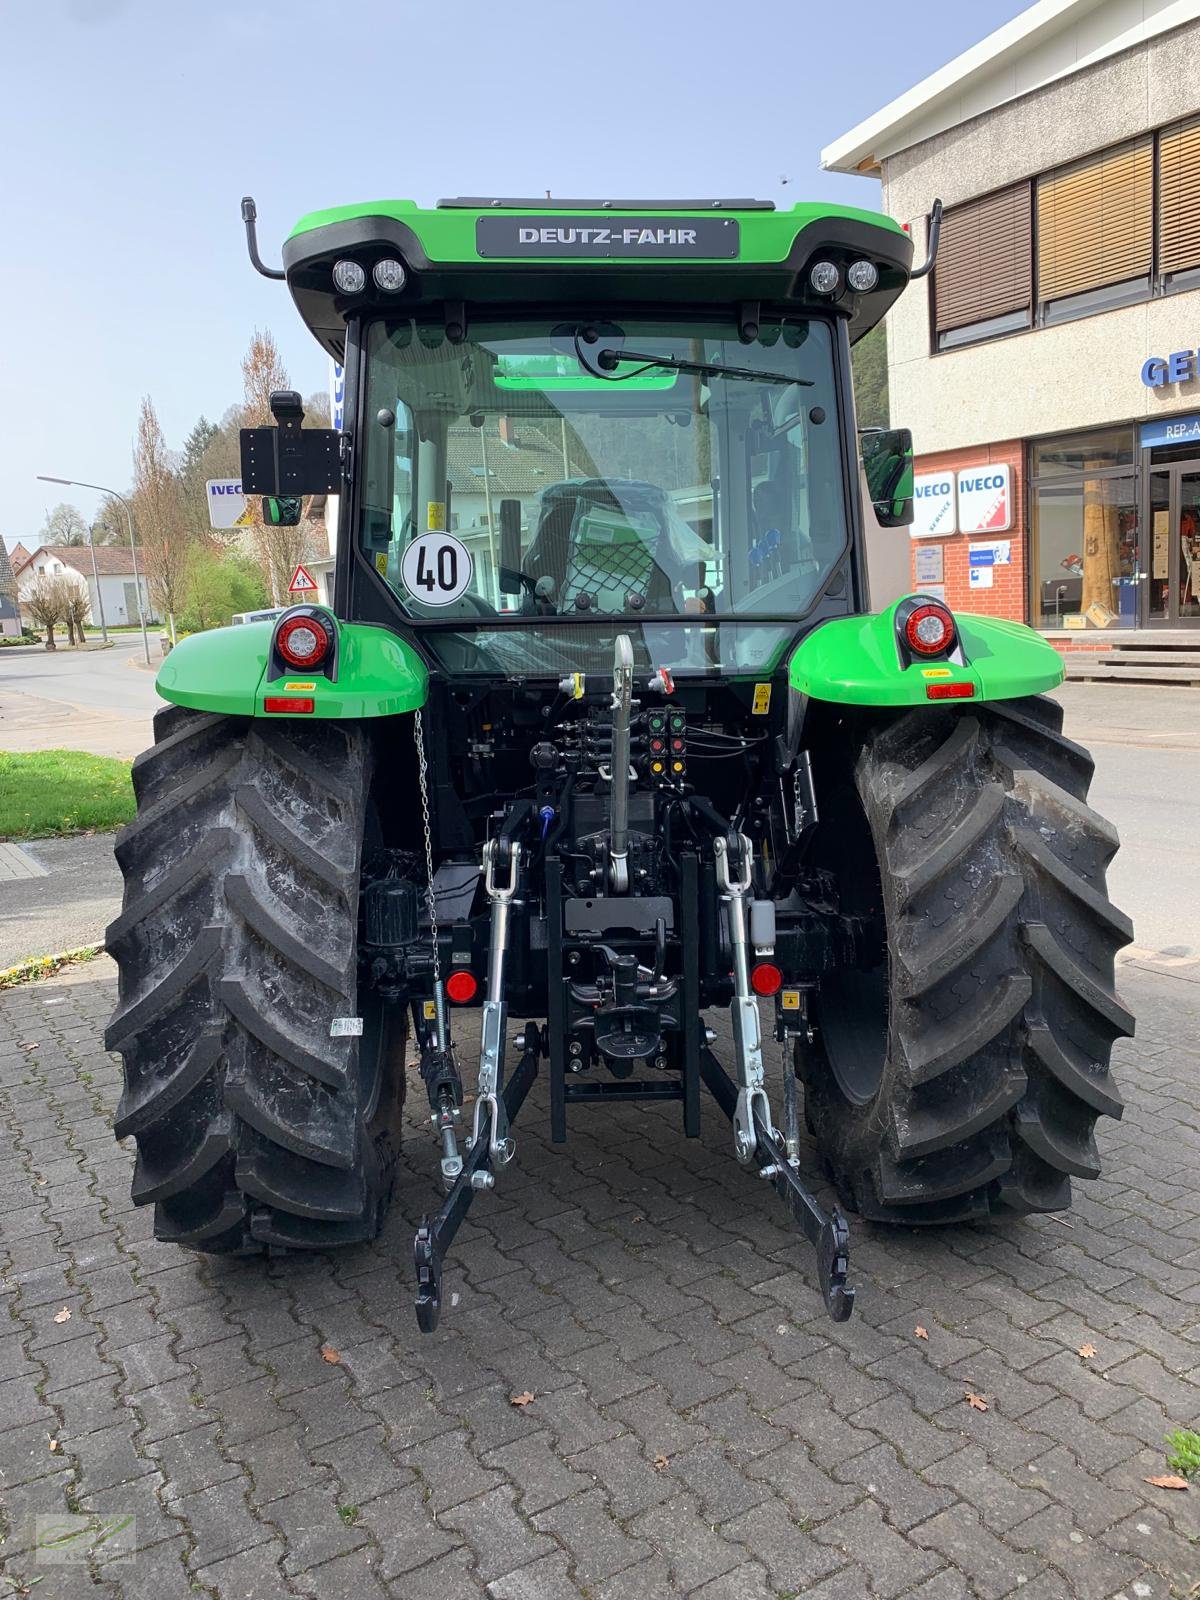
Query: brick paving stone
[[316, 1527], [499, 1536], [629, 1479], [1093, 1503], [1091, 1569], [992, 1567], [811, 1493], [905, 1497], [547, 1579], [538, 1473], [450, 1577], [999, 1500], [792, 1556], [449, 1471], [220, 1520], [159, 1573], [597, 1543], [186, 1383], [405, 1534], [362, 1464], [248, 1574], [894, 1563], [747, 1582], [677, 1530]]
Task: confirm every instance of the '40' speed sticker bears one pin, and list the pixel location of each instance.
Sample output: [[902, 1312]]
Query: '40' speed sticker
[[436, 568]]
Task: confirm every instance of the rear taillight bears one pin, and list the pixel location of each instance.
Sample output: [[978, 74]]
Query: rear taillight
[[929, 630], [766, 978], [302, 641], [462, 986]]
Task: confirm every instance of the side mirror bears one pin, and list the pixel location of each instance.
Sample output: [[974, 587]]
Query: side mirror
[[887, 457], [509, 576], [281, 511]]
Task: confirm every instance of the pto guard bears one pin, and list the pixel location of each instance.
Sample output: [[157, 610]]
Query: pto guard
[[224, 671], [856, 661]]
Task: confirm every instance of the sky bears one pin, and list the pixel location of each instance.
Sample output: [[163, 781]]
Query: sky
[[130, 129]]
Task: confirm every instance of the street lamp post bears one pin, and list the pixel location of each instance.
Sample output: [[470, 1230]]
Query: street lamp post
[[78, 483], [96, 580]]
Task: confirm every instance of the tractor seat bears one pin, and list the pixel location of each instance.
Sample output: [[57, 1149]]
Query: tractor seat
[[591, 541]]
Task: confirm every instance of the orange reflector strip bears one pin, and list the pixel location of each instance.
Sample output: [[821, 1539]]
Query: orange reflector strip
[[281, 702], [949, 691]]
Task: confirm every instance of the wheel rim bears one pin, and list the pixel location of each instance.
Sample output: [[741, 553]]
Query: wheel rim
[[852, 1006], [854, 1027]]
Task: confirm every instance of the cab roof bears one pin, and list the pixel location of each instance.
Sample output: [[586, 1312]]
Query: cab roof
[[590, 254]]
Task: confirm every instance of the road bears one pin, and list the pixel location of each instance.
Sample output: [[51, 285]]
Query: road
[[97, 700], [1146, 745]]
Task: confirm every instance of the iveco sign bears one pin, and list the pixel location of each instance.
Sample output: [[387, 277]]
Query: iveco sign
[[1181, 366], [933, 505]]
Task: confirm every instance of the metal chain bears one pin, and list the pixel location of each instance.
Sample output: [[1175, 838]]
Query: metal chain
[[430, 897]]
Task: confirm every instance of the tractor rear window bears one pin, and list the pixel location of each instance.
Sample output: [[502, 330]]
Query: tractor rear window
[[646, 469]]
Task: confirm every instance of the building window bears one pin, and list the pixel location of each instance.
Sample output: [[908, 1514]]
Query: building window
[[1179, 204], [1095, 228], [1110, 230], [982, 281], [1083, 554]]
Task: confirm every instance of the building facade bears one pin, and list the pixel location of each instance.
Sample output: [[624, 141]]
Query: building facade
[[111, 587], [1049, 367]]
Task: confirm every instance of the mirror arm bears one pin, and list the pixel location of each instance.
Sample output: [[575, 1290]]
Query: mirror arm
[[935, 234], [249, 217]]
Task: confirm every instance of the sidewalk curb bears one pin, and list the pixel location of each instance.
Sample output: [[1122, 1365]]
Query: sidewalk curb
[[35, 967]]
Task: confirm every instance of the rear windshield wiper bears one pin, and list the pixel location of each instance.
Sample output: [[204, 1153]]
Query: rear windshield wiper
[[603, 364]]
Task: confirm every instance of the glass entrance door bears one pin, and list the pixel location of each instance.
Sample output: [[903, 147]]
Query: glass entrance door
[[1173, 565]]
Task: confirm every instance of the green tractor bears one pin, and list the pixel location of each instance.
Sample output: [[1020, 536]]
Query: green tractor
[[600, 732]]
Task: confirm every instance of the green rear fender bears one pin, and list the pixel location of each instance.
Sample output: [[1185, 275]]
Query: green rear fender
[[855, 661], [378, 675]]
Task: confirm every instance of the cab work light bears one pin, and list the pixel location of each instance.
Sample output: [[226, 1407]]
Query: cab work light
[[349, 277], [862, 276]]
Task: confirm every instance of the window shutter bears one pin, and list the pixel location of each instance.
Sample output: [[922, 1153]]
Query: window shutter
[[983, 266], [1179, 197], [1095, 221]]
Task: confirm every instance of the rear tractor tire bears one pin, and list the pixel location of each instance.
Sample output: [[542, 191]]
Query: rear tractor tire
[[237, 949], [964, 1077]]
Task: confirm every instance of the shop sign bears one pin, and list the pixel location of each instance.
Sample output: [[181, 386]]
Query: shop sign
[[996, 554], [1181, 366], [1170, 430], [933, 505], [930, 564], [985, 499]]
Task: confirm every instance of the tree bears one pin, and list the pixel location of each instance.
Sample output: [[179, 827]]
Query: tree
[[869, 362], [220, 584], [47, 600], [160, 524], [78, 610], [279, 549], [110, 526], [64, 525], [209, 451]]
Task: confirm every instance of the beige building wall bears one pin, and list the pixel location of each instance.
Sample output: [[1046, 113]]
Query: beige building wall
[[1046, 380]]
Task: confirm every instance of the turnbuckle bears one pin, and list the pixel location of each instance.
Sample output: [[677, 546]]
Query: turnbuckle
[[488, 1100], [734, 880]]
